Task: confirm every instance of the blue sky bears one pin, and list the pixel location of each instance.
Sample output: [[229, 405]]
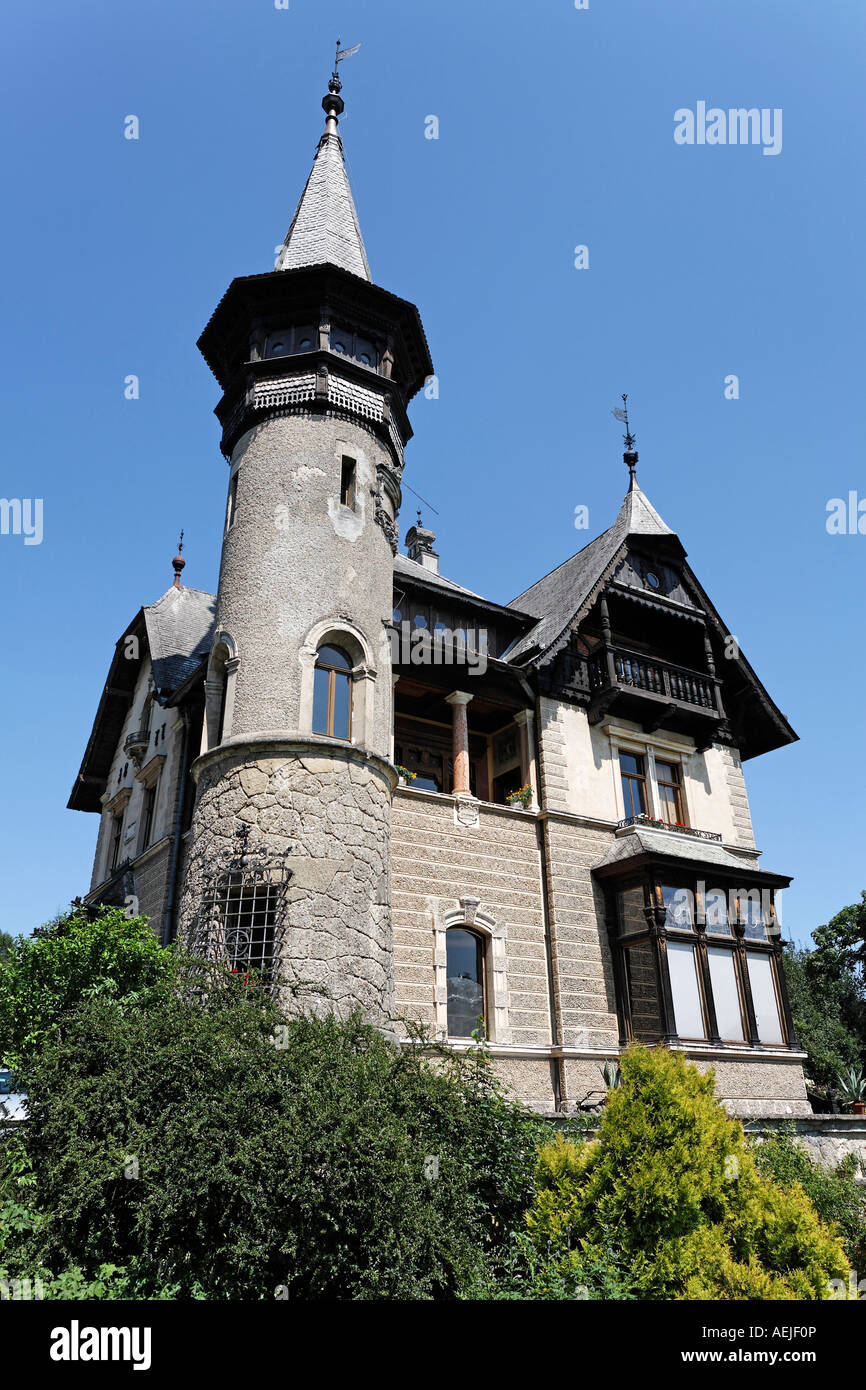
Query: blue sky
[[555, 130]]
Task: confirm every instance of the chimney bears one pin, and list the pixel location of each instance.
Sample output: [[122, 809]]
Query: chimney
[[419, 543]]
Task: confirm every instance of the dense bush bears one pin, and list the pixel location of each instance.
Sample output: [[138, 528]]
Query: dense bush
[[79, 956], [836, 1195], [201, 1145], [669, 1197]]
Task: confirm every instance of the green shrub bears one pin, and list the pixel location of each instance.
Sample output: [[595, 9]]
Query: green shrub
[[182, 1145], [80, 956], [671, 1191], [835, 1195]]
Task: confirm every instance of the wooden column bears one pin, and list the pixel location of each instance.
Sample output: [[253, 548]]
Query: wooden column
[[458, 701], [604, 613]]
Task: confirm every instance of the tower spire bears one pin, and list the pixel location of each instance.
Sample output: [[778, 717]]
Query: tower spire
[[325, 228], [630, 454]]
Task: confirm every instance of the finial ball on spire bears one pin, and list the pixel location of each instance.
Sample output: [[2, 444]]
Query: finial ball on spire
[[178, 563]]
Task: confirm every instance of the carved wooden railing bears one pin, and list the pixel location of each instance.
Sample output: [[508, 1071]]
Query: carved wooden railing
[[656, 677]]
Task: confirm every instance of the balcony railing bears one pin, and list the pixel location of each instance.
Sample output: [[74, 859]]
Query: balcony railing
[[654, 677], [653, 823], [137, 743]]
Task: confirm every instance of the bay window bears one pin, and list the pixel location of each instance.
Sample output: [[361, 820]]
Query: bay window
[[697, 960]]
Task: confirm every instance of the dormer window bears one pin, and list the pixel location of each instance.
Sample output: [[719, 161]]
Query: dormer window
[[653, 580], [348, 343], [287, 341]]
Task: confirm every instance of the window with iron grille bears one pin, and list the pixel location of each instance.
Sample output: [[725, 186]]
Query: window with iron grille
[[249, 915], [242, 918]]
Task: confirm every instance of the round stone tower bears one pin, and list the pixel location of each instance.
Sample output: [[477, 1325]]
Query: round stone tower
[[287, 864]]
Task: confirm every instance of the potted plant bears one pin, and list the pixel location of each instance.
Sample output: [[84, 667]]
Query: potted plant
[[852, 1089], [523, 797], [823, 1099], [406, 777], [612, 1075]]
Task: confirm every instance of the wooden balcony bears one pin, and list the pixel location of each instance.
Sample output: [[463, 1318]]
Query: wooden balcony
[[654, 693]]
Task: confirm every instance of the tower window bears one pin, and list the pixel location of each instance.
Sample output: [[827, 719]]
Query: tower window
[[348, 474], [231, 506], [290, 340], [332, 702], [633, 775], [465, 981], [350, 344]]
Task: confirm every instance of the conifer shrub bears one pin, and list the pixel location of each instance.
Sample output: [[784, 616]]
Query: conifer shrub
[[670, 1192]]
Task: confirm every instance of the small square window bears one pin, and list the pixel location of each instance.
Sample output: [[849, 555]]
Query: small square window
[[347, 482]]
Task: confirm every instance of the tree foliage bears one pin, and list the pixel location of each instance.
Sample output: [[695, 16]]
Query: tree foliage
[[827, 988], [835, 1194], [77, 957]]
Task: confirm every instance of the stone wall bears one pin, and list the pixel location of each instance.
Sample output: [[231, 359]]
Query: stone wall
[[435, 862], [322, 808], [152, 870], [827, 1138], [457, 861]]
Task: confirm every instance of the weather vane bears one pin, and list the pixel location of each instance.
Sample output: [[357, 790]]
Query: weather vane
[[630, 455], [343, 53]]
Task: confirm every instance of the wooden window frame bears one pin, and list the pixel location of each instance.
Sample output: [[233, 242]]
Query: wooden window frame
[[149, 815], [333, 672], [116, 842], [629, 777], [676, 786], [232, 501], [659, 933]]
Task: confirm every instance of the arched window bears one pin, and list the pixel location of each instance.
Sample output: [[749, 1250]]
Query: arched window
[[467, 1007], [332, 701]]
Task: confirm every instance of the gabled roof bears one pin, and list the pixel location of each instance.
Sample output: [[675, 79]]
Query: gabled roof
[[560, 595], [325, 228], [179, 627], [176, 630], [410, 569], [410, 572]]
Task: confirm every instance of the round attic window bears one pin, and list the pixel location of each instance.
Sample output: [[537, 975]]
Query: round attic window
[[653, 580]]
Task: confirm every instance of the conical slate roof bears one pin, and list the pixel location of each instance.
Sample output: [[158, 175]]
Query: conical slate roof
[[638, 517], [325, 228], [560, 594]]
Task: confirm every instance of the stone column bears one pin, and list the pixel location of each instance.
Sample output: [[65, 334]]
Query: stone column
[[460, 741], [525, 721]]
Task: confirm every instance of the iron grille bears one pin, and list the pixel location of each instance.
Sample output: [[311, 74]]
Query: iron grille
[[242, 916]]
